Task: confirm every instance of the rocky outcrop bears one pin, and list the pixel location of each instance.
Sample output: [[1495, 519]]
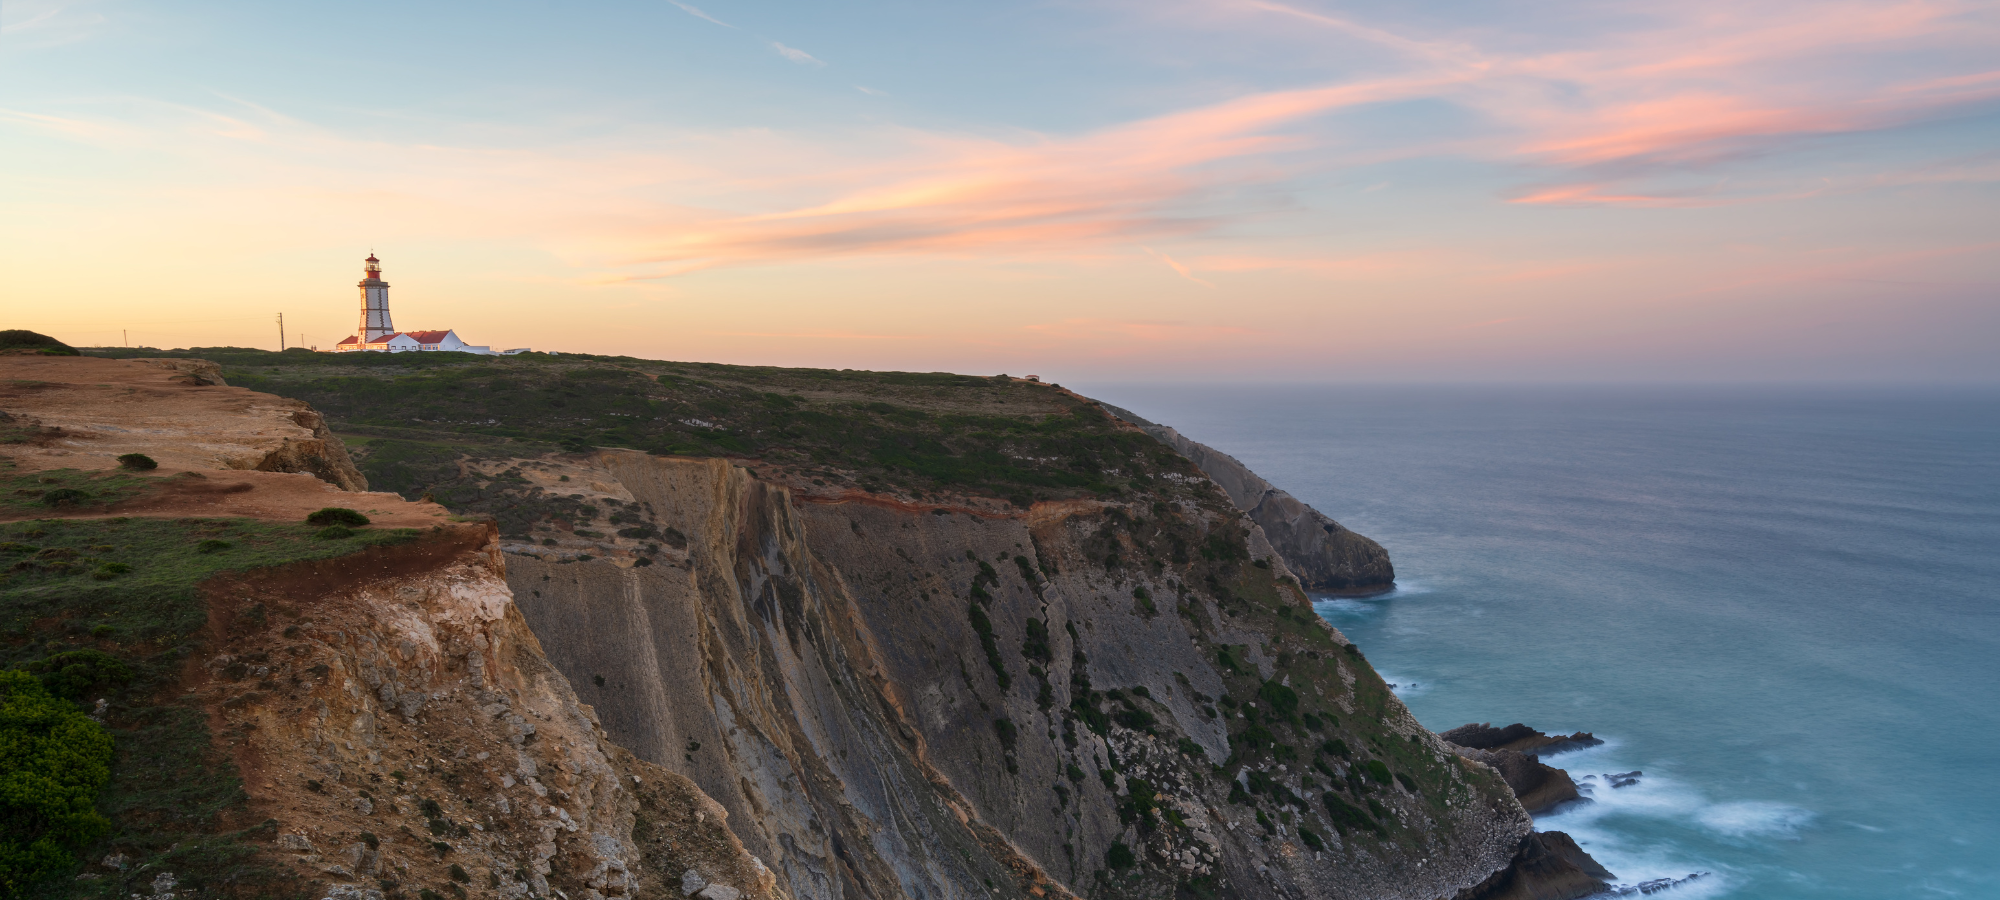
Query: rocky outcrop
[[176, 411], [1323, 554], [402, 726], [1548, 866], [812, 664], [1539, 787], [1518, 738]]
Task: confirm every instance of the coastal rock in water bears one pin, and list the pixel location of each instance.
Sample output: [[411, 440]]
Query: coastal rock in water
[[1548, 866], [1321, 552], [1519, 738], [1539, 787]]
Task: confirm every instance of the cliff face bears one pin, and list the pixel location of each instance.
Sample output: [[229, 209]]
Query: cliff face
[[395, 718], [927, 636], [1325, 555], [905, 700]]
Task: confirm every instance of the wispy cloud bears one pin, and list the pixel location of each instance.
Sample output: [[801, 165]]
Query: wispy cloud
[[1636, 120], [871, 91], [1178, 268], [796, 55], [697, 13]]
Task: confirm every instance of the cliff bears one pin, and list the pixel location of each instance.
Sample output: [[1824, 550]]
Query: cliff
[[917, 635], [296, 711], [1325, 555], [813, 660]]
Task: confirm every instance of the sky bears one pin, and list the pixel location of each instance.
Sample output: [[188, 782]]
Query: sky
[[1240, 190]]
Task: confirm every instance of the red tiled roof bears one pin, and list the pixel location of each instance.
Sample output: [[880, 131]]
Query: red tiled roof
[[351, 339], [428, 337]]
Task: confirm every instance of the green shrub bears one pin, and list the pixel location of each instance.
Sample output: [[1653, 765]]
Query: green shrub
[[138, 462], [1378, 772], [1346, 815], [1007, 731], [64, 497], [23, 339], [1074, 773], [53, 762], [212, 546], [73, 674], [1282, 700], [1312, 839], [1120, 857], [1135, 719], [337, 515]]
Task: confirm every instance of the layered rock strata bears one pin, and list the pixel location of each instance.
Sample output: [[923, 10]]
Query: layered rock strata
[[814, 667], [405, 727]]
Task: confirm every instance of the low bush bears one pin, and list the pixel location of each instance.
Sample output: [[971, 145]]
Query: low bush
[[63, 497], [1346, 815], [138, 462], [53, 762], [74, 674], [337, 515], [1120, 857]]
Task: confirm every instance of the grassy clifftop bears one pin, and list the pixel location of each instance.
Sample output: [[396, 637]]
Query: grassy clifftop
[[417, 418]]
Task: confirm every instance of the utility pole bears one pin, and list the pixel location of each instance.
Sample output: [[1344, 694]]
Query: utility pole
[[127, 333], [281, 332]]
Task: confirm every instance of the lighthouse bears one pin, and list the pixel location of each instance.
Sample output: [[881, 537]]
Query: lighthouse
[[379, 335], [374, 303]]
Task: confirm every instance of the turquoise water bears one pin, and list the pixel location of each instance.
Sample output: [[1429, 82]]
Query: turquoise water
[[1782, 606]]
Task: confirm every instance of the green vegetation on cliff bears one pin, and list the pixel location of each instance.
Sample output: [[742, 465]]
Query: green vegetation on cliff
[[101, 616], [418, 417]]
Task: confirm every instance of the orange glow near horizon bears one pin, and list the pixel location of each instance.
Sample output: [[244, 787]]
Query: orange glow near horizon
[[1655, 202]]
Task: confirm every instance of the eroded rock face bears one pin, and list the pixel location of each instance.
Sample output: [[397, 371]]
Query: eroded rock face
[[1323, 554], [397, 719], [812, 666]]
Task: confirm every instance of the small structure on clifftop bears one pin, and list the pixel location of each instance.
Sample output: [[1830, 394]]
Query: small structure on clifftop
[[378, 333]]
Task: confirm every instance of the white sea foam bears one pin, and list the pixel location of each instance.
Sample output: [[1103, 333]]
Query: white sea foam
[[1406, 587], [1404, 686], [1632, 830], [1346, 607], [1754, 818]]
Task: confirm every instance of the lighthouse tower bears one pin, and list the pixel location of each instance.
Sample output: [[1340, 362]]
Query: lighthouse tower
[[375, 323]]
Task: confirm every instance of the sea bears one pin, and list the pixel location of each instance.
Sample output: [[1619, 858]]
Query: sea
[[1779, 605]]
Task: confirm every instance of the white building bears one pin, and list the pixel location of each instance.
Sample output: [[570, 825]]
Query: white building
[[378, 334]]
